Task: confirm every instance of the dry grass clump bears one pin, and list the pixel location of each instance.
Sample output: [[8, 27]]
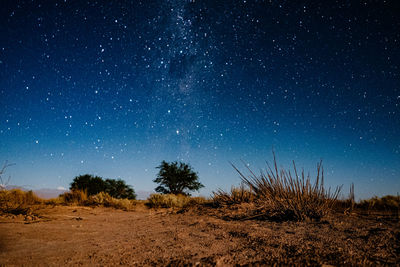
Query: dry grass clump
[[79, 197], [386, 203], [237, 195], [74, 197], [173, 201], [104, 199], [17, 202], [282, 195]]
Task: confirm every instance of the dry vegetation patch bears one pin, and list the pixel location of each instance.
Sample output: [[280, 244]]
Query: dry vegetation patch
[[280, 194], [17, 202], [298, 222], [80, 197], [386, 203], [204, 234], [173, 201], [237, 195]]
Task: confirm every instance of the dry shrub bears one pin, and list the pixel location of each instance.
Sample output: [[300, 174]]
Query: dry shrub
[[79, 197], [17, 202], [282, 195], [237, 195], [173, 201], [194, 201], [104, 199], [167, 201], [75, 197], [386, 203]]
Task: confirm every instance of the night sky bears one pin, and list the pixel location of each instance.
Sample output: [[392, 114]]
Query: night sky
[[112, 88]]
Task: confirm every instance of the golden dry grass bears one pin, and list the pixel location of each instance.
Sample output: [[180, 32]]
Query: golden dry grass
[[104, 199], [75, 197], [80, 198], [280, 195], [173, 201], [386, 203], [17, 202], [237, 195]]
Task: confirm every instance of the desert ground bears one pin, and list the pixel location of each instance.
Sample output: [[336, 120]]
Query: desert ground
[[72, 235]]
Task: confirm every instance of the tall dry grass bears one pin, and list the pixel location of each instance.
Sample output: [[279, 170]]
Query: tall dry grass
[[74, 197], [17, 202], [385, 203], [237, 195], [80, 198], [285, 195], [173, 201], [104, 199]]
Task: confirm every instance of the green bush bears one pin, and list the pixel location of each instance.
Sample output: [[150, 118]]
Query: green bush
[[119, 189], [93, 185]]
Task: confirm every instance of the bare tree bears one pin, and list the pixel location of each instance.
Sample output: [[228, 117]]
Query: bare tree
[[4, 182]]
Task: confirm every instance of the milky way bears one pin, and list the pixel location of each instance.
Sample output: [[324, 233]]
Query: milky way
[[115, 87]]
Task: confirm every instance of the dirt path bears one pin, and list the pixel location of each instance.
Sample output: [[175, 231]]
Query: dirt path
[[101, 236]]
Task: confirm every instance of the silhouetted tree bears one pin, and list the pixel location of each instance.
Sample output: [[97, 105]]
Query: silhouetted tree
[[176, 178], [95, 184], [119, 189], [92, 184]]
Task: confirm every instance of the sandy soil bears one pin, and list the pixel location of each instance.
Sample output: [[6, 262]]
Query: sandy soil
[[103, 236]]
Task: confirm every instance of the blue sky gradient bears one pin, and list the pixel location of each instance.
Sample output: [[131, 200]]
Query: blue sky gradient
[[113, 88]]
